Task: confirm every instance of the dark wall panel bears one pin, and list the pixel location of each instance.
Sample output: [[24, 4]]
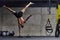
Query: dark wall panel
[[27, 0], [22, 3]]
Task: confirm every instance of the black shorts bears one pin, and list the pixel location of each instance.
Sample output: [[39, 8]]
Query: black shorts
[[19, 14]]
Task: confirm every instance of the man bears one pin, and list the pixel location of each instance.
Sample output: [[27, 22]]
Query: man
[[20, 13]]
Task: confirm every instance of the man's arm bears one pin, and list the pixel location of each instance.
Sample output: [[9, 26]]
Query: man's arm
[[24, 9], [9, 9]]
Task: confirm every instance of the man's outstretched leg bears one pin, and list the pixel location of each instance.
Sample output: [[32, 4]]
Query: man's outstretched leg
[[24, 9]]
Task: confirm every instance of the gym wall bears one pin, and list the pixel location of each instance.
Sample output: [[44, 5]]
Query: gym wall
[[35, 26]]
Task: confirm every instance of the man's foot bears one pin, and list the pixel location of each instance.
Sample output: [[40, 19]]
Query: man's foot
[[4, 5], [31, 3]]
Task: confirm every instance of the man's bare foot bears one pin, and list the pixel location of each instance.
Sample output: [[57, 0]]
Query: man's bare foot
[[4, 5], [31, 3]]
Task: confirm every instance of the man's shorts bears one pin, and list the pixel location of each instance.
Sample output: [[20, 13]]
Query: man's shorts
[[19, 14]]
